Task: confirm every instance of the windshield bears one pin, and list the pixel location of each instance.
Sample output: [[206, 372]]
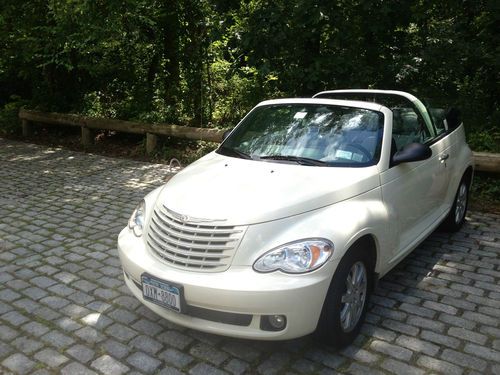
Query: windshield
[[309, 134]]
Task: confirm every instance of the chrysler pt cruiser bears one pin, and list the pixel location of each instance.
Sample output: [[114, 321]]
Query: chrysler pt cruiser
[[286, 227]]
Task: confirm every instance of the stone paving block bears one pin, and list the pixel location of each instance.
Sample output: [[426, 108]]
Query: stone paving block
[[26, 345], [122, 316], [398, 367], [4, 307], [97, 320], [14, 318], [115, 349], [46, 313], [483, 352], [206, 369], [464, 360], [302, 366], [5, 349], [51, 358], [466, 334], [19, 364], [43, 282], [146, 344], [81, 353], [238, 349], [418, 345], [90, 335], [7, 333], [176, 358], [208, 353], [81, 298], [55, 302], [109, 365], [75, 368], [35, 328], [426, 323], [391, 350], [63, 302], [360, 355], [65, 277], [400, 327], [359, 369], [99, 306], [57, 339], [439, 366], [457, 321], [481, 318], [147, 327], [61, 290], [121, 332], [143, 362]]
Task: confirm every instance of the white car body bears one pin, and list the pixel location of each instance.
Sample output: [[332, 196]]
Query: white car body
[[268, 204]]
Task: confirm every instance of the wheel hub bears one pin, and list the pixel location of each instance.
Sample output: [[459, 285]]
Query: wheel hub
[[353, 300]]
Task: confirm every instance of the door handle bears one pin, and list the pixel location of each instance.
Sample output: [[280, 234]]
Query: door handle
[[443, 157]]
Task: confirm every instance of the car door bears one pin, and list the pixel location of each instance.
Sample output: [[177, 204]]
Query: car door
[[414, 192]]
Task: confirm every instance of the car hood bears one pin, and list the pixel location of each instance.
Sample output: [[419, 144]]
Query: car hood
[[230, 191]]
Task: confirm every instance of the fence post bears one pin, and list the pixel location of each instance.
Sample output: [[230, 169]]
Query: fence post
[[151, 142], [27, 128], [87, 136]]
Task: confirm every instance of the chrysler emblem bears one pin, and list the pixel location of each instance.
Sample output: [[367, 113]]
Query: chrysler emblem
[[189, 219]]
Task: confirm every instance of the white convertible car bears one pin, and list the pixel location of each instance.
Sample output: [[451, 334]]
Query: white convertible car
[[286, 227]]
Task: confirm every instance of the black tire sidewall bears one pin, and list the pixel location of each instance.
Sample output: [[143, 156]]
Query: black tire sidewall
[[329, 329], [450, 223]]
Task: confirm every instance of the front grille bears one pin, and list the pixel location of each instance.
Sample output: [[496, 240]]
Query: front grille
[[191, 245]]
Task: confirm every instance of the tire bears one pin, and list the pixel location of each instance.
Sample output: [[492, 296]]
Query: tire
[[334, 327], [456, 216]]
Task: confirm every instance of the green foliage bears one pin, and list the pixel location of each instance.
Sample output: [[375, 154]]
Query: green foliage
[[486, 188], [206, 63], [9, 120], [488, 141]]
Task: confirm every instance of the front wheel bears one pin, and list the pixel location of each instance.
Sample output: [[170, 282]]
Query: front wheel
[[456, 217], [345, 306]]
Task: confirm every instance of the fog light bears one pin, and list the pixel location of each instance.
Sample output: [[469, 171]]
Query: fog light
[[273, 322]]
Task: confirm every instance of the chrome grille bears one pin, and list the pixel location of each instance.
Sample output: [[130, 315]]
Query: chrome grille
[[192, 245]]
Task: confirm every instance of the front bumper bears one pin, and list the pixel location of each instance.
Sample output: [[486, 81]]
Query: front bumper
[[232, 302]]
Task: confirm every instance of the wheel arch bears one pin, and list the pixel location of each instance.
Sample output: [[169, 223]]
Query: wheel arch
[[368, 243], [468, 175]]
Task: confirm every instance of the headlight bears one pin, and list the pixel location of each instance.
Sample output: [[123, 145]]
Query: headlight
[[136, 222], [296, 257]]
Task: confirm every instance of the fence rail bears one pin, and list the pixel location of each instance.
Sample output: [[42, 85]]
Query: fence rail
[[89, 124], [484, 161]]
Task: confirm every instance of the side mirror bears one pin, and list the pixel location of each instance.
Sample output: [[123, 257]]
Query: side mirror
[[453, 118], [411, 152]]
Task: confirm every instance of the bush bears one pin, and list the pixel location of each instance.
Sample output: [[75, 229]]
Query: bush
[[487, 141], [486, 188], [9, 119]]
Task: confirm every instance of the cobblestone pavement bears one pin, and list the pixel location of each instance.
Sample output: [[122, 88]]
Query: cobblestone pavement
[[64, 307]]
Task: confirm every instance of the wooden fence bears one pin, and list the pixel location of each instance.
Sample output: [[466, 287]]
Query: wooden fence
[[89, 124], [485, 162]]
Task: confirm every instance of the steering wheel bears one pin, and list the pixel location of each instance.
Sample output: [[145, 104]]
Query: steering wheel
[[367, 156]]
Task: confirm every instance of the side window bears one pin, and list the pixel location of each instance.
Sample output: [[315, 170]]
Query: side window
[[408, 127], [438, 117]]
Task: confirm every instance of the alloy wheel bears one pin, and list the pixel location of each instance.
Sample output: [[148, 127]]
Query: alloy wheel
[[354, 298]]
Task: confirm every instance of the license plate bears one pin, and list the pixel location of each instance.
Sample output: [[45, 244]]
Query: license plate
[[162, 292]]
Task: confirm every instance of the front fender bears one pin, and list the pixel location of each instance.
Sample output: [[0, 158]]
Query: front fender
[[342, 223]]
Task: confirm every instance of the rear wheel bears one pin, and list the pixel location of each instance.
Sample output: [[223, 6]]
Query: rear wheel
[[456, 216], [347, 299]]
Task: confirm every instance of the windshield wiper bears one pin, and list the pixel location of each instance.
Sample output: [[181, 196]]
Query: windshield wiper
[[298, 159], [233, 152]]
